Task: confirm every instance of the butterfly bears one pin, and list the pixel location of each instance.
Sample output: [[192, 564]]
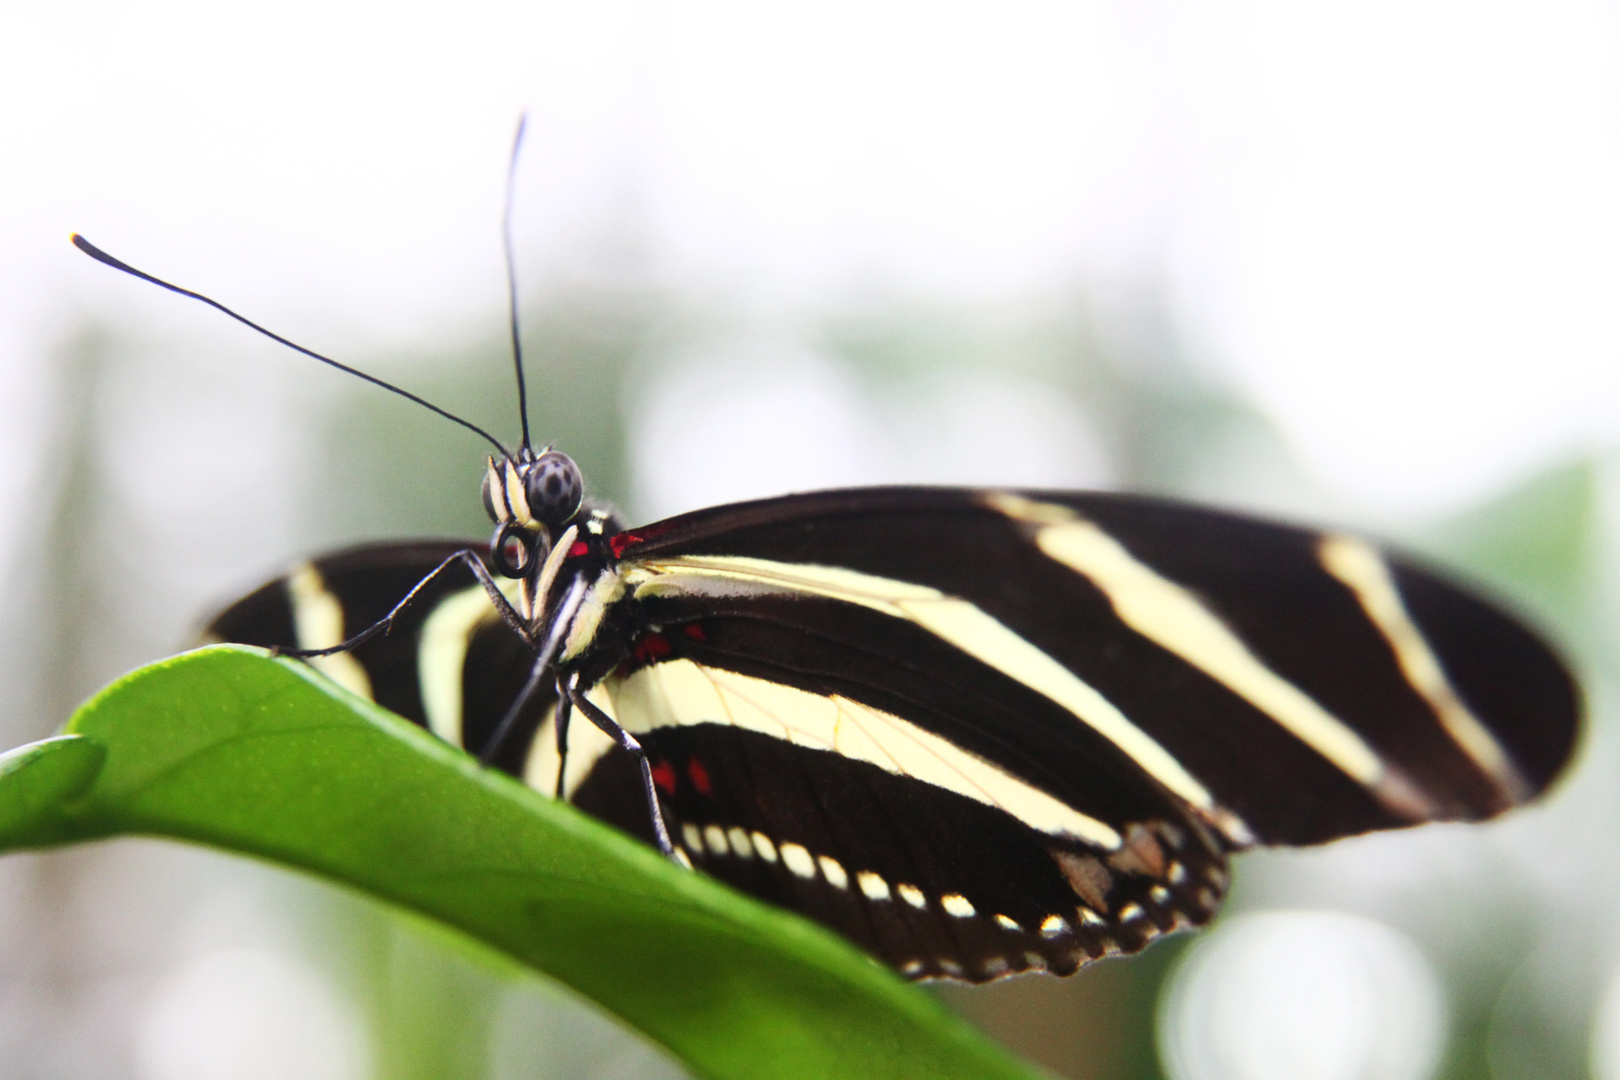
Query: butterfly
[[977, 731]]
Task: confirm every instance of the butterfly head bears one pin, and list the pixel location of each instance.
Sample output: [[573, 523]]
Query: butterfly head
[[531, 498]]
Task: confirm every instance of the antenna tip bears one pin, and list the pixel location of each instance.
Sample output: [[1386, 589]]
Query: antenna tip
[[90, 249], [102, 257]]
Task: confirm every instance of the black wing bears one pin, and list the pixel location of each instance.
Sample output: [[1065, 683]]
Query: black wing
[[1315, 686], [934, 882], [985, 732]]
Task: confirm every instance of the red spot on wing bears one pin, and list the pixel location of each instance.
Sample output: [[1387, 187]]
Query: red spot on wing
[[651, 647], [646, 534], [578, 548], [700, 776], [663, 775], [695, 631]]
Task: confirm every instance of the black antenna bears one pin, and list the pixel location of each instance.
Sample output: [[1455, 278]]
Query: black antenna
[[101, 256], [511, 278]]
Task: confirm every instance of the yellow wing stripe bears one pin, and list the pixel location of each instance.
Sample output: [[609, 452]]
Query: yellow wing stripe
[[441, 654], [1173, 618], [587, 745], [679, 693], [1363, 570], [318, 624], [952, 619]]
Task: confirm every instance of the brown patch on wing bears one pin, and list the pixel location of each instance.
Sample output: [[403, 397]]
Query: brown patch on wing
[[1140, 854], [1089, 878]]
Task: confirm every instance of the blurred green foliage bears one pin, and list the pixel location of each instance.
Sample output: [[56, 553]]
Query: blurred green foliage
[[396, 470], [228, 748]]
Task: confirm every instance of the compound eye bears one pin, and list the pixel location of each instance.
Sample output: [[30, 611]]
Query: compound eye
[[554, 488], [511, 551]]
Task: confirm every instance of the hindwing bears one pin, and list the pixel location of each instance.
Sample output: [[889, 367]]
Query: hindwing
[[449, 664]]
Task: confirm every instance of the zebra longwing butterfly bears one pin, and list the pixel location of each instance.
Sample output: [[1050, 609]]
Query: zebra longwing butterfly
[[979, 732]]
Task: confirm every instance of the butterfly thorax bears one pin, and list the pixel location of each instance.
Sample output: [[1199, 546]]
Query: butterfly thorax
[[588, 602]]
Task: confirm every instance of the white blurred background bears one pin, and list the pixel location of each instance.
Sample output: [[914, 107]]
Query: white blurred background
[[1354, 262]]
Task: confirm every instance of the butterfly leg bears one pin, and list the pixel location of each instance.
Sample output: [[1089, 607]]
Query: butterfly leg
[[565, 710], [542, 664], [628, 742], [509, 614], [468, 556]]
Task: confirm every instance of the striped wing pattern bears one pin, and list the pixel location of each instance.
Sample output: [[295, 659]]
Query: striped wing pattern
[[984, 732], [405, 671]]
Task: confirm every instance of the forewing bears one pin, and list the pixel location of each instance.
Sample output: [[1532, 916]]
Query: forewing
[[1293, 686]]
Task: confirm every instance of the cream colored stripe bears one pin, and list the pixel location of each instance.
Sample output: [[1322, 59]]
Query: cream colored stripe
[[602, 594], [497, 491], [1364, 571], [441, 654], [1173, 618], [679, 693], [953, 620], [587, 745], [318, 623], [540, 767], [516, 497], [548, 570]]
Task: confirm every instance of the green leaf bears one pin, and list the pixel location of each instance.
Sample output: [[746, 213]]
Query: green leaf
[[224, 746], [37, 781]]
